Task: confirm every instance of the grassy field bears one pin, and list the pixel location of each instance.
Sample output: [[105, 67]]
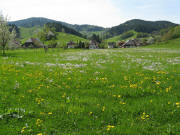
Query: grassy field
[[132, 91]]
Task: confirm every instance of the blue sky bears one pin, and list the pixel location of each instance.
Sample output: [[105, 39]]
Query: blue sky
[[105, 13], [149, 9]]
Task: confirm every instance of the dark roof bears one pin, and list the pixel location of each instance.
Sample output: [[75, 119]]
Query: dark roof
[[35, 41]]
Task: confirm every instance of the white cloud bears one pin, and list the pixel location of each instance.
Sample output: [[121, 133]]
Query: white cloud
[[96, 12]]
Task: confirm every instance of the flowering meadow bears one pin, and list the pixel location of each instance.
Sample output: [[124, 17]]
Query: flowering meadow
[[90, 92]]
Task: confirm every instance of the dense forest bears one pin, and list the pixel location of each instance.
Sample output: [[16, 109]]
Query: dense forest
[[138, 26]]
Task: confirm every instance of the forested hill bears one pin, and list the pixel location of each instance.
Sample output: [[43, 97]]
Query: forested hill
[[138, 26], [61, 28], [40, 21]]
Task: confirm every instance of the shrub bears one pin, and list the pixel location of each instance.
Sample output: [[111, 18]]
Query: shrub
[[172, 33]]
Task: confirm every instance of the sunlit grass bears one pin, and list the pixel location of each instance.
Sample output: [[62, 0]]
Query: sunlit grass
[[88, 92]]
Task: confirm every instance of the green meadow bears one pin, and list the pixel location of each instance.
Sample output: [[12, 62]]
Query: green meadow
[[127, 91]]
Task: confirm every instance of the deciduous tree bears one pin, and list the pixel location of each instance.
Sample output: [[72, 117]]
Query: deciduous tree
[[5, 34]]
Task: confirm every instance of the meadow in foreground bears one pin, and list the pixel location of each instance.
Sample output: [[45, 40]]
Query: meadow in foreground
[[90, 92]]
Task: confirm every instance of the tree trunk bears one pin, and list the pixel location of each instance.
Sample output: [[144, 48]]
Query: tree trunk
[[4, 51]]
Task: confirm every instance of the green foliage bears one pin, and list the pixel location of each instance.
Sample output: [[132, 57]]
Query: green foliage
[[142, 35], [6, 34], [15, 28], [47, 34], [173, 33], [103, 45], [96, 38], [52, 44]]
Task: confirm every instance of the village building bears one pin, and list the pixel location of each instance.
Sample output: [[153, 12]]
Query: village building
[[71, 44], [111, 45], [120, 44], [33, 43], [129, 44], [93, 45]]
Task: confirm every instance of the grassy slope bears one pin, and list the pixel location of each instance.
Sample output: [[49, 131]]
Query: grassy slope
[[64, 38], [119, 38], [110, 92], [28, 32], [171, 44]]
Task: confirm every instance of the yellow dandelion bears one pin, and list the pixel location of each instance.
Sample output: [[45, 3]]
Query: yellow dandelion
[[109, 127], [50, 113], [158, 82], [122, 103], [103, 109], [133, 85], [38, 122], [90, 113], [23, 129]]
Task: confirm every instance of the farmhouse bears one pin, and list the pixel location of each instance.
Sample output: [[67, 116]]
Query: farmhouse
[[131, 43], [93, 45], [111, 44], [120, 43], [71, 44], [33, 43]]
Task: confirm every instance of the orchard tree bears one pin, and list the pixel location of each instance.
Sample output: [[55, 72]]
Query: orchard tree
[[5, 34]]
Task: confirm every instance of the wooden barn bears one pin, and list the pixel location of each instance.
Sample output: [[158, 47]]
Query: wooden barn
[[131, 43], [33, 43]]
